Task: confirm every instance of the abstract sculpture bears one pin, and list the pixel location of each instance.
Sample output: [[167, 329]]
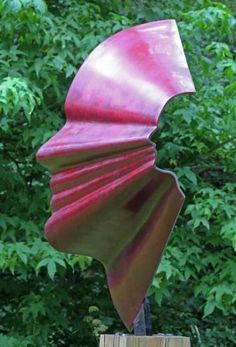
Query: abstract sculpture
[[109, 200]]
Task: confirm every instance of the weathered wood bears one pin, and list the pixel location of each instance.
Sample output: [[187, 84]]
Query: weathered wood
[[143, 341]]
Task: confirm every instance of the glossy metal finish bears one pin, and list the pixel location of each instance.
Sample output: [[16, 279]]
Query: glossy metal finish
[[109, 200]]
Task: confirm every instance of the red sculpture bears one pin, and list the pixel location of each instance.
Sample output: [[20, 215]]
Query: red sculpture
[[109, 200]]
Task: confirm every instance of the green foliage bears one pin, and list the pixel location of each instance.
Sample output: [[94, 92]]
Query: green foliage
[[54, 299]]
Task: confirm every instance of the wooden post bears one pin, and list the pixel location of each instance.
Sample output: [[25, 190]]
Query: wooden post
[[143, 341]]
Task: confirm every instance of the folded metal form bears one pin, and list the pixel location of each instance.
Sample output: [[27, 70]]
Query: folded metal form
[[109, 200]]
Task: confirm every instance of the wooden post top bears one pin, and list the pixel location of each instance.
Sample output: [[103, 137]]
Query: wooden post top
[[144, 341]]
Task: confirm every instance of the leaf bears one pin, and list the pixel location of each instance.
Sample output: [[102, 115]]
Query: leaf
[[14, 5], [190, 175], [70, 70], [231, 88], [60, 262], [165, 267], [51, 266], [42, 263], [209, 308], [38, 66], [40, 6]]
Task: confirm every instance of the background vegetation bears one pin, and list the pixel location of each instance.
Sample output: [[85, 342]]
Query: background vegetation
[[51, 299]]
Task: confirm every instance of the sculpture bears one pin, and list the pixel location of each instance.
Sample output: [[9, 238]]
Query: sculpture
[[109, 200]]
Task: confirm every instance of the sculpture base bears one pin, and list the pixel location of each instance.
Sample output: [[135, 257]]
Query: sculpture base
[[144, 341]]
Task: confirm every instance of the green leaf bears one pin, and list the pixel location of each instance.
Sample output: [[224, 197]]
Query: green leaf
[[209, 308], [40, 6], [51, 267]]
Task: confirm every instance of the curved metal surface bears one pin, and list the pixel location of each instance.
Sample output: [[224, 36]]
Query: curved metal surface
[[109, 200]]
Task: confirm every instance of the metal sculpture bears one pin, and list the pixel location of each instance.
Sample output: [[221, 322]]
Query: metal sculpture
[[109, 200]]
